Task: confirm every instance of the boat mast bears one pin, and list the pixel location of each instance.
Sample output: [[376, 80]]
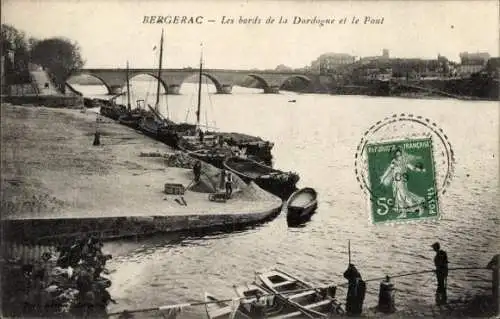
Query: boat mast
[[128, 90], [199, 89], [157, 104]]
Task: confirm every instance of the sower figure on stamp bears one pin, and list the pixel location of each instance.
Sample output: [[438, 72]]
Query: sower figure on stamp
[[396, 175], [441, 263], [356, 291]]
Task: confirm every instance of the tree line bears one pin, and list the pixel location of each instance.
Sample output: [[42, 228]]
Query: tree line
[[59, 56]]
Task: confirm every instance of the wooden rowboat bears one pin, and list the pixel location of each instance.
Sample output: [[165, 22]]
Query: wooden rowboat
[[274, 308], [220, 309], [302, 204], [316, 303], [277, 182]]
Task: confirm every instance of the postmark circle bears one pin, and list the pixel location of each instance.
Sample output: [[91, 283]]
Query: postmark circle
[[403, 163]]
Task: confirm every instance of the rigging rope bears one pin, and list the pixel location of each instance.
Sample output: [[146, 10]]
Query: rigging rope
[[149, 86], [214, 123], [202, 303], [206, 113], [166, 98], [190, 105]]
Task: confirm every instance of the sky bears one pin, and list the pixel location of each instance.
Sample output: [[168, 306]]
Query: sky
[[111, 32]]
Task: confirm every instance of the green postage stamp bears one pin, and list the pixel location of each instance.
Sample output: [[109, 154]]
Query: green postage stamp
[[402, 180]]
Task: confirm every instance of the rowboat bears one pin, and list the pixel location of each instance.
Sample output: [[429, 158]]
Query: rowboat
[[277, 182], [316, 303], [273, 307], [301, 204], [220, 309]]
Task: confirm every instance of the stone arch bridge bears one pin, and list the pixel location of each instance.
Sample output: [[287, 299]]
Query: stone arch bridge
[[172, 79]]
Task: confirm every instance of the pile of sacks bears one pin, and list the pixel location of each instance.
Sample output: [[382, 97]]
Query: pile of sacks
[[71, 282], [179, 159]]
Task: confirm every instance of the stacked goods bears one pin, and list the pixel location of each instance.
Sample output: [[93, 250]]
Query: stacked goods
[[180, 160], [177, 159]]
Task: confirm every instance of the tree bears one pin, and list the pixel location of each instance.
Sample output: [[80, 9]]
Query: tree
[[60, 56], [16, 52]]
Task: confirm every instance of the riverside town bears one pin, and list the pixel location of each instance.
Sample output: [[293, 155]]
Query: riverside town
[[164, 170]]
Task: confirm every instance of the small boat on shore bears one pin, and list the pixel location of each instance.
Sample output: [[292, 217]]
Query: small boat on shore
[[279, 183], [318, 303], [301, 204]]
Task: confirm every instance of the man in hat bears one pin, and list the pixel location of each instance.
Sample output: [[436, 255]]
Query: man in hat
[[441, 263], [356, 291]]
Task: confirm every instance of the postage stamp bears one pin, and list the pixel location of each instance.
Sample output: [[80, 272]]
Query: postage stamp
[[404, 163], [402, 180]]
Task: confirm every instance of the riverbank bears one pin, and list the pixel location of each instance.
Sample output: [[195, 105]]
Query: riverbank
[[54, 178]]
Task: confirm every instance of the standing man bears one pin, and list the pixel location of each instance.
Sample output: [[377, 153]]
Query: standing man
[[441, 263], [222, 183], [229, 184], [355, 292], [197, 171]]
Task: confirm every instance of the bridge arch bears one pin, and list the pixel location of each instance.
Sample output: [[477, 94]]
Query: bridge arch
[[218, 85], [155, 76], [261, 80], [304, 78], [108, 87]]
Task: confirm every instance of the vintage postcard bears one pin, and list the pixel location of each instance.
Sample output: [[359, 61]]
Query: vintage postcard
[[249, 159]]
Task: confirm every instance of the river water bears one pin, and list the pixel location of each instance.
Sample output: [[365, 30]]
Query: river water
[[317, 136]]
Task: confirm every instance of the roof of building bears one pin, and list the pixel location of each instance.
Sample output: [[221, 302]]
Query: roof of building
[[476, 55], [336, 55]]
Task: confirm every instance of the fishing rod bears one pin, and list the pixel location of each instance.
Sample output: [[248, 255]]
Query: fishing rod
[[202, 303], [349, 250]]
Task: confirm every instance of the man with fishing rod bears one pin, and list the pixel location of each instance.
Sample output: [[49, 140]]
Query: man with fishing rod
[[356, 288]]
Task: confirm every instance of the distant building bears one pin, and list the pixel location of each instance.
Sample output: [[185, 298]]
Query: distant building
[[474, 58], [328, 63], [493, 67], [472, 63], [369, 59]]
